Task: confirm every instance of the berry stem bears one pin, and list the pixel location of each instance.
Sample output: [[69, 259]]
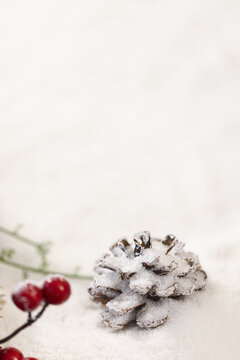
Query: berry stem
[[29, 322], [44, 272]]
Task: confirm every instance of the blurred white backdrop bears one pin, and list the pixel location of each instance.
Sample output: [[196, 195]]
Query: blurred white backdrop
[[116, 117]]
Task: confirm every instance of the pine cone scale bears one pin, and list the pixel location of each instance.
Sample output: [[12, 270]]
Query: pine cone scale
[[125, 303]]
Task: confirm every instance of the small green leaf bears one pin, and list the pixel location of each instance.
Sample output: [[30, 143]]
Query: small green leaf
[[18, 228], [76, 270], [25, 274], [6, 253], [10, 253]]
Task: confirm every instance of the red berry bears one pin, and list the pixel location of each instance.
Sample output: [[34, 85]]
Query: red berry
[[30, 358], [27, 296], [56, 290], [11, 353]]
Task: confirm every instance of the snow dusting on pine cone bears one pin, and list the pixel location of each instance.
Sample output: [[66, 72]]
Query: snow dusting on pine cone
[[137, 280]]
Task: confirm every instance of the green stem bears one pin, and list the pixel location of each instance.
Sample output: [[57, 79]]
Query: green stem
[[44, 272], [15, 235]]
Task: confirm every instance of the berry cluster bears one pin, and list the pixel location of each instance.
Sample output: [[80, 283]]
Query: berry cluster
[[27, 296], [11, 353]]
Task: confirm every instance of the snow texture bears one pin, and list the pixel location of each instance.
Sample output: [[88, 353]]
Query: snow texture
[[117, 116]]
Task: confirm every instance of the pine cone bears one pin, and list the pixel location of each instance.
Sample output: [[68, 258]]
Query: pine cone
[[137, 280]]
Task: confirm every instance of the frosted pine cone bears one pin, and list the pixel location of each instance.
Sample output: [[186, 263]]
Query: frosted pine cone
[[137, 280]]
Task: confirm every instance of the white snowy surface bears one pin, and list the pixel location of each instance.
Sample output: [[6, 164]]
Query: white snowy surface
[[117, 117]]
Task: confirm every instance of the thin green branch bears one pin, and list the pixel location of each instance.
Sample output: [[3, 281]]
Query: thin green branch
[[44, 272], [16, 235], [42, 249]]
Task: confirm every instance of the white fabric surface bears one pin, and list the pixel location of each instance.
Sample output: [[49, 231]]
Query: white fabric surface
[[117, 117]]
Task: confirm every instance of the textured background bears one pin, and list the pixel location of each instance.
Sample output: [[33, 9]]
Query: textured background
[[116, 117]]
